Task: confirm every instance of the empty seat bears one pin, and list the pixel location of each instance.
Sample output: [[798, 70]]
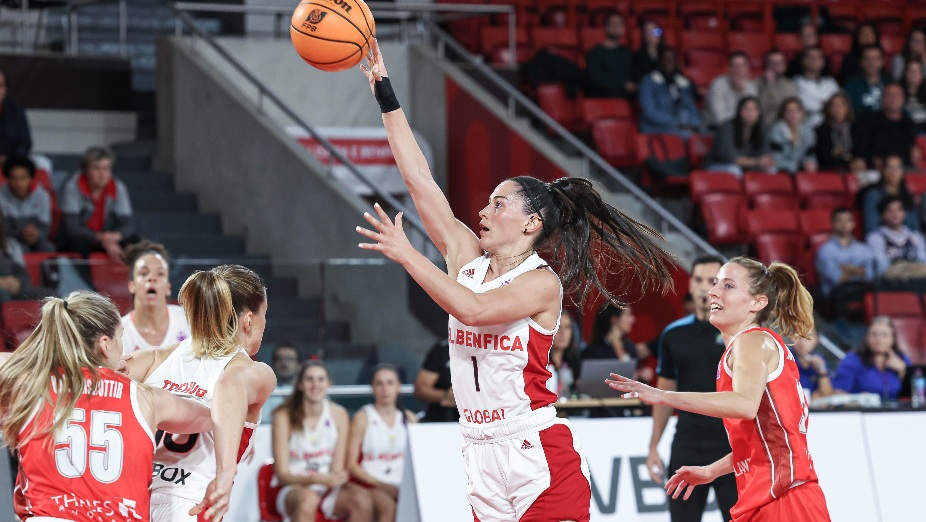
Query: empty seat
[[788, 43], [19, 320], [35, 260], [835, 43], [109, 277], [916, 182], [698, 146], [696, 56], [785, 248], [267, 493], [894, 304], [594, 109], [703, 183], [821, 189], [722, 214], [553, 100], [909, 334], [562, 40], [754, 44], [815, 221], [493, 37], [616, 141], [746, 16], [702, 39], [767, 221], [589, 37], [772, 201], [760, 183]]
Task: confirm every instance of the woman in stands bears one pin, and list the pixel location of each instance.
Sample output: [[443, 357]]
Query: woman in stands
[[59, 388], [505, 302], [833, 146], [759, 396], [152, 323], [564, 358], [893, 182], [792, 138], [877, 366], [309, 451], [740, 143], [376, 451], [226, 308]]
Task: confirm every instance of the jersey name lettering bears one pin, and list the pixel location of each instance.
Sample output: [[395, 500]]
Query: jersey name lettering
[[483, 416], [175, 475], [189, 388], [741, 467], [486, 341]]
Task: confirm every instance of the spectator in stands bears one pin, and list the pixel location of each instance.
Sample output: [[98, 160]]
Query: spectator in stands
[[96, 212], [310, 452], [914, 85], [914, 50], [432, 386], [608, 65], [900, 252], [26, 209], [876, 366], [866, 88], [887, 132], [727, 89], [809, 40], [740, 144], [833, 147], [285, 363], [892, 183], [773, 86], [667, 104], [15, 138], [646, 57], [815, 374], [14, 280], [843, 259], [866, 34], [813, 87], [609, 335], [564, 358], [792, 139], [152, 322]]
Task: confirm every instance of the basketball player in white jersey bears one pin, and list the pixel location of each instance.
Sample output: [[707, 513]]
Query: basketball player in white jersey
[[226, 308], [309, 448], [376, 452], [504, 303], [152, 323]]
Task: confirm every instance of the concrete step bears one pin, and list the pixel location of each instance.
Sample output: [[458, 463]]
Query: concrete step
[[150, 224], [164, 201], [200, 245], [139, 182]]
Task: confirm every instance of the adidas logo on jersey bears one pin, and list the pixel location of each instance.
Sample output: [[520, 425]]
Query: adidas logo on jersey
[[526, 445], [469, 272]]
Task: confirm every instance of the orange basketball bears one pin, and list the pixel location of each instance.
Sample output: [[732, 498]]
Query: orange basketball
[[332, 35]]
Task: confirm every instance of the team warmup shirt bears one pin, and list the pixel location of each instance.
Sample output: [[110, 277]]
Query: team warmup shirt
[[177, 330], [770, 453], [499, 371], [185, 464], [312, 449], [383, 449], [84, 472]]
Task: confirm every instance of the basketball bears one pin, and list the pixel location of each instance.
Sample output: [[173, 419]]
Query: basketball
[[332, 35]]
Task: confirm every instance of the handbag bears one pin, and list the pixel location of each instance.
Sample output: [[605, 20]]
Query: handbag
[[660, 165]]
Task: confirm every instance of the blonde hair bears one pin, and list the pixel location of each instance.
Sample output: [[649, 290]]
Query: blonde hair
[[790, 306], [61, 347], [213, 300]]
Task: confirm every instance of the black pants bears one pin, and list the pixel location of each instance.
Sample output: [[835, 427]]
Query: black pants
[[692, 509]]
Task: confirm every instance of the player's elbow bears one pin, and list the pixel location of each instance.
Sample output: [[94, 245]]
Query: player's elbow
[[746, 410]]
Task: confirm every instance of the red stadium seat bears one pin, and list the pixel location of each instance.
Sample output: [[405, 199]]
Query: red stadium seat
[[918, 354], [696, 56], [267, 493], [835, 43], [822, 190], [746, 16], [665, 147], [109, 277], [785, 248], [594, 109], [788, 43], [815, 221], [702, 39], [553, 100], [702, 75], [772, 201], [493, 37], [755, 183], [910, 334], [560, 40], [589, 37], [845, 16], [19, 320], [703, 183], [892, 44], [894, 304], [769, 221], [34, 261], [916, 182], [754, 44], [722, 214], [616, 141], [699, 146], [888, 18]]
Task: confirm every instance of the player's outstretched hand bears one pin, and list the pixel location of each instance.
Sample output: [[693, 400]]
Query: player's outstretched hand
[[390, 239], [218, 493], [375, 69], [636, 390], [688, 477]]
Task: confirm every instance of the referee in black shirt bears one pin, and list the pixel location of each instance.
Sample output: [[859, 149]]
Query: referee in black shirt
[[689, 350]]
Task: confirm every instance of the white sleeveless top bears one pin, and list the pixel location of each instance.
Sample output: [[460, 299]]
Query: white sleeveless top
[[382, 453], [311, 450], [185, 464], [177, 330], [499, 371]]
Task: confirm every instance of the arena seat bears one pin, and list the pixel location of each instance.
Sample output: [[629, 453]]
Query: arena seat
[[835, 43], [892, 44], [746, 17], [785, 248], [594, 109], [894, 304], [493, 37], [702, 39], [788, 43], [616, 141], [916, 183], [722, 214], [589, 37], [771, 221], [815, 221], [698, 146], [19, 320], [35, 260], [754, 44], [561, 40], [267, 493], [698, 55], [821, 190], [910, 335], [553, 100], [772, 201], [109, 277], [755, 183], [703, 183], [889, 19]]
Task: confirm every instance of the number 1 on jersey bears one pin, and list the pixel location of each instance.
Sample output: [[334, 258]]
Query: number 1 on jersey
[[475, 372]]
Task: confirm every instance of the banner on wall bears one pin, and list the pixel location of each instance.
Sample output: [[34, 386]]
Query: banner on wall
[[368, 149]]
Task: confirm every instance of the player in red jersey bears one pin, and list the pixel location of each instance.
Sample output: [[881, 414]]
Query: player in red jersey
[[505, 302], [72, 417], [759, 396]]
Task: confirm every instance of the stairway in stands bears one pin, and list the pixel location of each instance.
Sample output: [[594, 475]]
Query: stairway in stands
[[196, 242]]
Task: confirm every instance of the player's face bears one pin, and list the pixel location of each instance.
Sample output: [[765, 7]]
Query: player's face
[[564, 336], [151, 283], [314, 383], [730, 299], [503, 219], [703, 278], [385, 387], [255, 335]]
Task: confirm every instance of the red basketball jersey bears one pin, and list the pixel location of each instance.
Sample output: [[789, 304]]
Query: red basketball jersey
[[86, 471], [770, 453]]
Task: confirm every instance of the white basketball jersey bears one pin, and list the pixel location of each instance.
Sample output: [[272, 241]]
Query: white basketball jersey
[[185, 464], [312, 449], [499, 371], [382, 453], [177, 330]]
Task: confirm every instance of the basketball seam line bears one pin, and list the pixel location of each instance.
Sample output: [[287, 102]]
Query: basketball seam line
[[365, 21], [348, 20], [359, 48]]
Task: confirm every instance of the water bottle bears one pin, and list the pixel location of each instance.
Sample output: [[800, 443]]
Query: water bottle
[[918, 383]]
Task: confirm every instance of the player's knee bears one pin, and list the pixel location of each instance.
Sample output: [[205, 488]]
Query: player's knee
[[362, 504], [306, 505]]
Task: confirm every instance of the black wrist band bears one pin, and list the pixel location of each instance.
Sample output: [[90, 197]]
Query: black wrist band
[[382, 89]]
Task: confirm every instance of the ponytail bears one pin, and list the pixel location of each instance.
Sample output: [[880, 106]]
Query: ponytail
[[587, 236], [58, 353], [790, 305]]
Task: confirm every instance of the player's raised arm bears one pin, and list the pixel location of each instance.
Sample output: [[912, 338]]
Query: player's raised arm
[[455, 241]]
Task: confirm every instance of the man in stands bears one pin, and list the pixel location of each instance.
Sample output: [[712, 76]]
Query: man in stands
[[285, 363], [866, 88], [899, 251], [813, 88], [608, 64], [15, 137], [886, 132], [774, 87], [726, 90], [843, 262]]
